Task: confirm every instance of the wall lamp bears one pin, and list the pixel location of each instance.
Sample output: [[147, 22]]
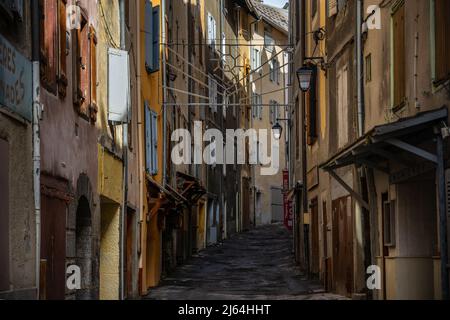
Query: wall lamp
[[278, 129]]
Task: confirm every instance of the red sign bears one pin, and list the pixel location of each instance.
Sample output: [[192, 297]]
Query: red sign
[[288, 210]]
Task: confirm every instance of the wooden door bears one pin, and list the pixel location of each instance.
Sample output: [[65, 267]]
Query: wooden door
[[53, 248], [315, 249], [129, 255], [342, 246]]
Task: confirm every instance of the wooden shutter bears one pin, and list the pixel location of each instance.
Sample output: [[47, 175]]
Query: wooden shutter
[[82, 65], [148, 36], [311, 109], [62, 77], [399, 56], [154, 126], [4, 216], [93, 107], [442, 32], [48, 45], [148, 137], [156, 37]]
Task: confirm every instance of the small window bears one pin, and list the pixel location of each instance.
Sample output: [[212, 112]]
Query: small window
[[151, 140], [269, 43], [369, 68], [442, 39], [152, 34], [389, 224]]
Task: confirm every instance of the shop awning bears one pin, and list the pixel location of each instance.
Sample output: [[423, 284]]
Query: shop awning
[[190, 187], [386, 143], [170, 195]]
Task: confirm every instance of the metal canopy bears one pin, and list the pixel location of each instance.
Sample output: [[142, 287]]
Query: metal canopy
[[383, 142], [387, 143]]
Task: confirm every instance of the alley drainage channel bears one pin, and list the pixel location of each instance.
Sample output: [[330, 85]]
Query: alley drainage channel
[[253, 265]]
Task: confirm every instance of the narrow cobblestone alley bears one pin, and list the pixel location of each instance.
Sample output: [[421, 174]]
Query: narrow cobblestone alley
[[253, 265]]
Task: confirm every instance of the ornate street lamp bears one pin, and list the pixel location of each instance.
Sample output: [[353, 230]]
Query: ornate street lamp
[[277, 131], [305, 75]]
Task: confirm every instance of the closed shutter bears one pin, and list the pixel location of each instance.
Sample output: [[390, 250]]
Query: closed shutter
[[399, 56], [442, 32], [63, 51], [4, 216], [148, 141], [148, 36], [156, 36], [154, 125], [48, 44], [311, 109], [93, 107], [84, 67]]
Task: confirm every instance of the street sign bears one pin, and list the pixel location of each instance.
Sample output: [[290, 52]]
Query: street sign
[[15, 80]]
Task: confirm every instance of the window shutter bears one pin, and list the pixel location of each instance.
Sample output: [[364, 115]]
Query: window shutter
[[156, 36], [442, 34], [399, 56], [93, 107], [49, 41], [62, 77], [154, 142], [271, 70], [148, 139], [118, 85], [148, 36], [311, 109], [84, 66], [332, 8]]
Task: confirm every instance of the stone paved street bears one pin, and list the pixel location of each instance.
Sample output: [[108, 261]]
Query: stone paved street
[[254, 265]]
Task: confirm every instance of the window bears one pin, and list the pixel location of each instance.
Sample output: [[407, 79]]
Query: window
[[313, 8], [226, 102], [151, 140], [389, 223], [152, 34], [269, 43], [342, 107], [256, 60], [213, 101], [85, 74], [274, 73], [53, 46], [212, 31], [311, 109], [369, 68], [332, 7], [257, 106], [399, 81], [442, 38], [274, 111]]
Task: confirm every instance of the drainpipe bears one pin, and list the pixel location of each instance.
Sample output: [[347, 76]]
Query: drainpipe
[[37, 110], [140, 125], [164, 85], [125, 164], [359, 67]]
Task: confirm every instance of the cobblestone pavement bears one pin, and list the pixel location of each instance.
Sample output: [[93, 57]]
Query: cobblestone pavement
[[254, 265]]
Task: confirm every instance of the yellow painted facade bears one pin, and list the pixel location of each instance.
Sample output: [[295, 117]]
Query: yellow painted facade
[[151, 91], [110, 164]]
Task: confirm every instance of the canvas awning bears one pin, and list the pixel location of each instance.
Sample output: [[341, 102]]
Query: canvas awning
[[170, 196]]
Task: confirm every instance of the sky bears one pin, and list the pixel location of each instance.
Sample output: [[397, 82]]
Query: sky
[[276, 3]]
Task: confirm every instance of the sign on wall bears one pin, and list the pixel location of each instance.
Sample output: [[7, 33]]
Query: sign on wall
[[15, 80]]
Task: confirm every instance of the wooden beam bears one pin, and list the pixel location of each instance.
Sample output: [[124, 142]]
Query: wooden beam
[[413, 149], [352, 192]]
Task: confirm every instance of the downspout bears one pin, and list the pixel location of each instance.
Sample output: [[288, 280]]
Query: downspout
[[140, 123], [125, 163], [359, 68], [164, 86], [37, 110]]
